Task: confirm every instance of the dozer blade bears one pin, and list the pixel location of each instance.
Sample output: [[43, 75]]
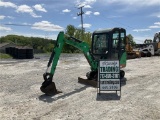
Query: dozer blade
[[50, 89], [94, 83], [85, 81]]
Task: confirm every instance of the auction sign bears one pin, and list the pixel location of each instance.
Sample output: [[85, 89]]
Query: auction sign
[[109, 76]]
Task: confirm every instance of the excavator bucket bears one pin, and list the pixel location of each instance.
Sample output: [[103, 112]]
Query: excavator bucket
[[48, 87]]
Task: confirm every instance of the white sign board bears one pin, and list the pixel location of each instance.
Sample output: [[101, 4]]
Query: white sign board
[[109, 75]]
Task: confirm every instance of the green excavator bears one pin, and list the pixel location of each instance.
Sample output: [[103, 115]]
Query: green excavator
[[107, 44]]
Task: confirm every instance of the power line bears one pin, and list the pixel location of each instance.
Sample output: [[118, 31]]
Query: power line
[[114, 21], [28, 25], [14, 24]]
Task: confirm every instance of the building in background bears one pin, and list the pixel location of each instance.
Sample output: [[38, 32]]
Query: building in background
[[3, 46]]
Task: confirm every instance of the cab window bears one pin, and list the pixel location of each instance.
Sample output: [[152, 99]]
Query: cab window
[[115, 45], [100, 43]]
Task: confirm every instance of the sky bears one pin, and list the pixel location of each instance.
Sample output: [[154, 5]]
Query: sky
[[46, 18]]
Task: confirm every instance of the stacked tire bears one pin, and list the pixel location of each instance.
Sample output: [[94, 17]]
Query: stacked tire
[[8, 50], [29, 53], [16, 52], [11, 51], [20, 52]]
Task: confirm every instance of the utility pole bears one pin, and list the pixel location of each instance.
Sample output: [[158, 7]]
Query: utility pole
[[81, 14]]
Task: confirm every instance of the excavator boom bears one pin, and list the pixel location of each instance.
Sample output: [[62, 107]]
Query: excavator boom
[[48, 86]]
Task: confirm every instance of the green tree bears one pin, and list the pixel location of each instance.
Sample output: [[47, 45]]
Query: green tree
[[131, 39], [88, 37], [70, 30], [76, 32]]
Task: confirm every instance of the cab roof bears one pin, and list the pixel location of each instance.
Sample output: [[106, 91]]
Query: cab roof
[[108, 30]]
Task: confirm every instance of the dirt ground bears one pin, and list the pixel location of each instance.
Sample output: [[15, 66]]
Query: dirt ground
[[21, 98]]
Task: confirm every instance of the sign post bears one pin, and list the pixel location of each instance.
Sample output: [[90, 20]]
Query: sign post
[[109, 76]]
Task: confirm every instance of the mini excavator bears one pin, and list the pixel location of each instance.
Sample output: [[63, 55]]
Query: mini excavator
[[107, 44]]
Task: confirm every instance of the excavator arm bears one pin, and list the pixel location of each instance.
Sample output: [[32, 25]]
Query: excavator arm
[[83, 46], [48, 86]]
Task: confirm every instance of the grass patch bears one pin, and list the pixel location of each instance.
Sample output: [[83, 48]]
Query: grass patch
[[4, 56]]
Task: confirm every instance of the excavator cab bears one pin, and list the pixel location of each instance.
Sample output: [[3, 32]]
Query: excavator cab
[[108, 44]]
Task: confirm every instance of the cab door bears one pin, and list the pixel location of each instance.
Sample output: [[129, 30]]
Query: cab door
[[118, 46], [115, 41]]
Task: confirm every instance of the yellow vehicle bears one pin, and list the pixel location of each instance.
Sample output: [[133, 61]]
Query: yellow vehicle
[[131, 53], [156, 43]]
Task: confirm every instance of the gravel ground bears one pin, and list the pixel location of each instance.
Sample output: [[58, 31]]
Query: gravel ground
[[21, 98]]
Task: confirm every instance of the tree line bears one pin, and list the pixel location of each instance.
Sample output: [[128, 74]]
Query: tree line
[[46, 45], [37, 43]]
